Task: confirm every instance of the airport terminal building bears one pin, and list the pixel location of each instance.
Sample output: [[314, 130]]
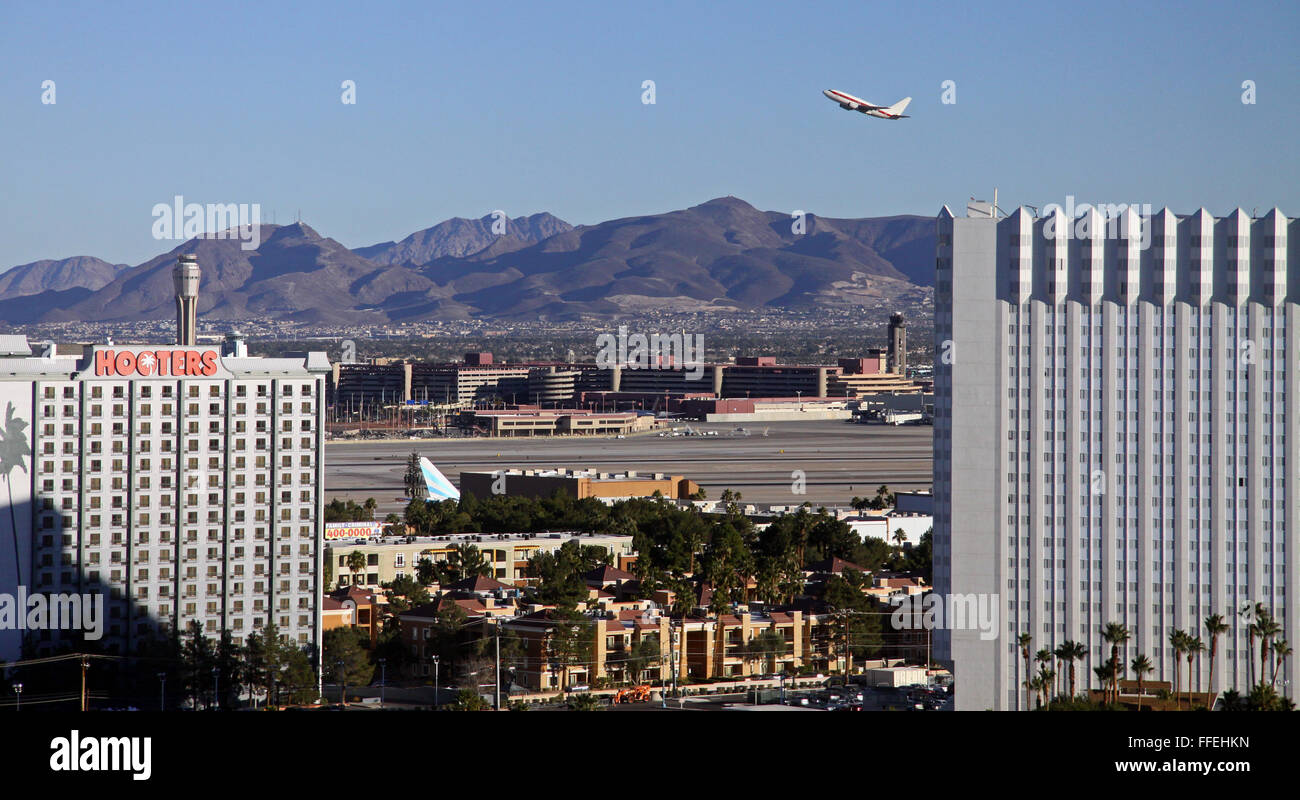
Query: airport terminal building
[[181, 482]]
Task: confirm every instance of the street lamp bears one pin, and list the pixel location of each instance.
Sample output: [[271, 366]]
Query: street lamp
[[18, 693], [162, 691], [343, 684], [216, 689], [436, 695], [383, 679]]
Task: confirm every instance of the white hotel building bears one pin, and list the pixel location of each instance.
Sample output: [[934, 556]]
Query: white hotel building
[[1122, 445], [181, 481]]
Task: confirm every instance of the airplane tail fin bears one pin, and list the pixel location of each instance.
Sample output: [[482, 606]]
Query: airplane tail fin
[[439, 487], [899, 107]]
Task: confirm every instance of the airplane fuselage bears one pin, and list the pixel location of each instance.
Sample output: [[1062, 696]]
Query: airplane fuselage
[[850, 103]]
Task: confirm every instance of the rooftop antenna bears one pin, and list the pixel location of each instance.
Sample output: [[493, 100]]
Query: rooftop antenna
[[995, 203]]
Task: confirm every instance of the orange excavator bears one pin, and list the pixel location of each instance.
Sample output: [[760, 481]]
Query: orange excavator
[[637, 694]]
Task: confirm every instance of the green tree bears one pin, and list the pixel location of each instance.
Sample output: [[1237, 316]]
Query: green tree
[[198, 657], [405, 593], [347, 645], [464, 561], [559, 574], [643, 655], [469, 700], [571, 641], [767, 647], [228, 660]]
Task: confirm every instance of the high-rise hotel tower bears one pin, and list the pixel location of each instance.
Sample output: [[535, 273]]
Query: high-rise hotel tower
[[180, 482], [1115, 437]]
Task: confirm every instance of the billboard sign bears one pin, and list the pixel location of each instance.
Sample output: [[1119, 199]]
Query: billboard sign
[[338, 531]]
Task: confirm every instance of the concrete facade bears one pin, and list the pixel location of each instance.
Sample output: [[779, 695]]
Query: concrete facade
[[1114, 435]]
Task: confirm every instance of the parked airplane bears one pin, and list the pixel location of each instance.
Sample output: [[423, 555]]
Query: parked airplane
[[439, 487], [851, 103]]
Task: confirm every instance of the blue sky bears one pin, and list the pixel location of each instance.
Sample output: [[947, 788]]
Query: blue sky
[[465, 108]]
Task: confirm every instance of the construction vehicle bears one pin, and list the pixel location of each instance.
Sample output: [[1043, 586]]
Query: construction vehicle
[[637, 694]]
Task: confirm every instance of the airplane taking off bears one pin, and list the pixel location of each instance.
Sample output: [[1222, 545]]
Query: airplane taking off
[[439, 487], [851, 103]]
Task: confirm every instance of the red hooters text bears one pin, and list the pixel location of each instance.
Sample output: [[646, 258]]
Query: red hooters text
[[180, 363]]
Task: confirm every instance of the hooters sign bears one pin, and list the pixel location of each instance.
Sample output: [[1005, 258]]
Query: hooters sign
[[180, 363]]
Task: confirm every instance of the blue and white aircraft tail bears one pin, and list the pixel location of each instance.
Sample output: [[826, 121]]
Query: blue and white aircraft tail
[[439, 487]]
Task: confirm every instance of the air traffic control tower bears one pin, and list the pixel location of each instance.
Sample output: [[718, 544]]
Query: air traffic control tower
[[186, 277]]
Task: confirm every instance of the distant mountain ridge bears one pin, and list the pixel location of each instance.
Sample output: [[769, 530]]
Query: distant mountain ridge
[[720, 255], [459, 237], [49, 275]]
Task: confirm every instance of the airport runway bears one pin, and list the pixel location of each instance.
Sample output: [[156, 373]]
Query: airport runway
[[838, 459]]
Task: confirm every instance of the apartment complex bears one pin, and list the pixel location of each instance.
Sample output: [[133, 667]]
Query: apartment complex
[[1115, 438], [396, 557]]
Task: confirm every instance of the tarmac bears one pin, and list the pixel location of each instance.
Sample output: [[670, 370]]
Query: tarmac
[[831, 461]]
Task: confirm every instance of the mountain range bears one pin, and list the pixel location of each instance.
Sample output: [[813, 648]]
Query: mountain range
[[722, 255]]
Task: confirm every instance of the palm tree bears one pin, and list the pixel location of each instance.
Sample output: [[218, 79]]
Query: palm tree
[[1177, 643], [1062, 653], [1116, 635], [1141, 666], [1249, 615], [1214, 626], [1102, 671], [1024, 640], [1267, 628], [1045, 677], [1194, 647], [1036, 685], [356, 563], [1077, 652], [14, 450], [1280, 652], [1044, 659]]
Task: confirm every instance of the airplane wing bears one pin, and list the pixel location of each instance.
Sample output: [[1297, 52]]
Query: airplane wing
[[439, 487]]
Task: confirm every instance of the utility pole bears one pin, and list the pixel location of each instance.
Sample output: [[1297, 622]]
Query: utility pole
[[85, 664], [848, 648], [383, 679], [436, 690], [497, 640], [676, 642]]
